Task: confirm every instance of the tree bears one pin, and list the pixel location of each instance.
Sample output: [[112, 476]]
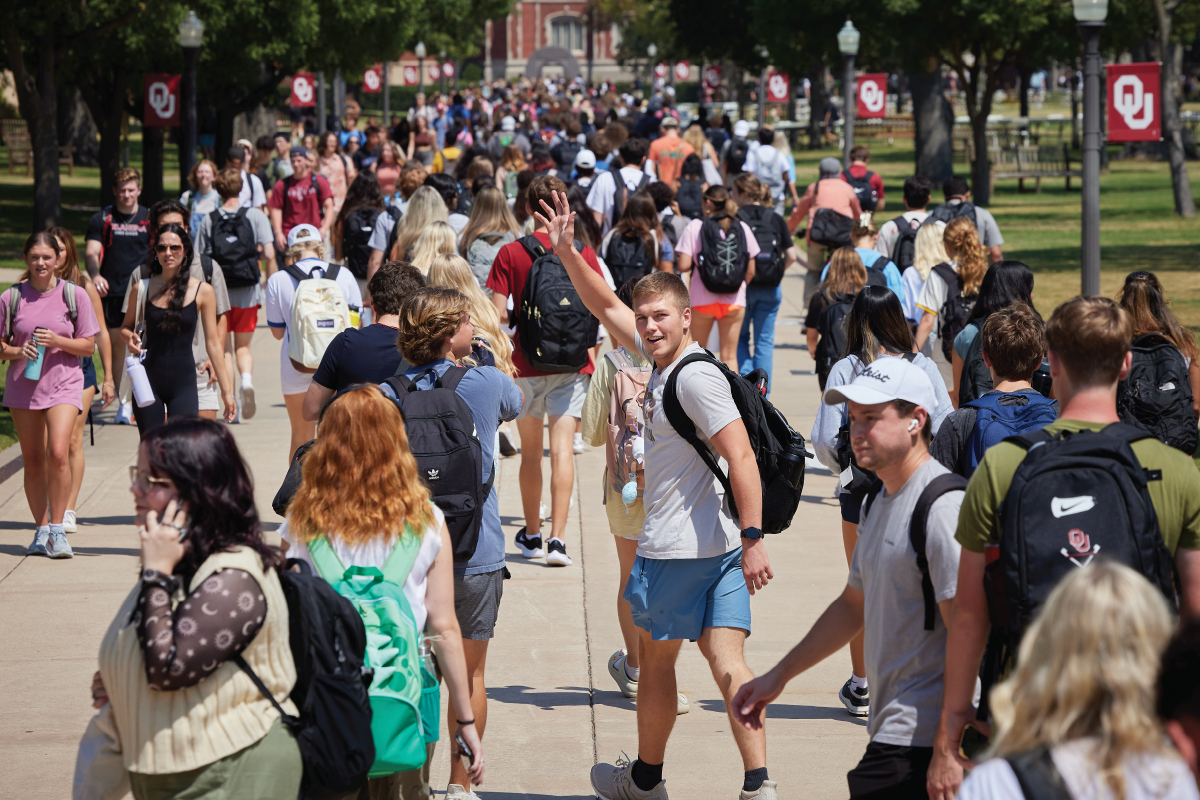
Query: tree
[[1168, 47]]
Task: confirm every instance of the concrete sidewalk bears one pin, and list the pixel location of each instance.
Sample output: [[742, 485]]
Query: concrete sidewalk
[[554, 710]]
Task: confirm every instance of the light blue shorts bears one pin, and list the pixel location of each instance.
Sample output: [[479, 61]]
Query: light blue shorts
[[679, 598]]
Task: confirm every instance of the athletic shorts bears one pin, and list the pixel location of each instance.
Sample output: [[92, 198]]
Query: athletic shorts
[[554, 395], [890, 772], [477, 603], [626, 524], [209, 394], [679, 598], [851, 507], [243, 320], [89, 375], [114, 316], [716, 310]]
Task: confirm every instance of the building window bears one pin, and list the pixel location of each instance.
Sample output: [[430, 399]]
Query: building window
[[567, 33]]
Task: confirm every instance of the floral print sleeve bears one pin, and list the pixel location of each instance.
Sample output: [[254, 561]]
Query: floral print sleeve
[[184, 645]]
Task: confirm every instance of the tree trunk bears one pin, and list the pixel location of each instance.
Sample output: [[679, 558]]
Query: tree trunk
[[153, 147], [105, 95], [816, 108], [1024, 72], [76, 127], [979, 105], [225, 117], [1185, 206], [37, 99], [981, 188], [933, 120]]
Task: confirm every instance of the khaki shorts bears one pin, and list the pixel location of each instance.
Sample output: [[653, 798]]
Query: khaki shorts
[[626, 525], [554, 395], [209, 394]]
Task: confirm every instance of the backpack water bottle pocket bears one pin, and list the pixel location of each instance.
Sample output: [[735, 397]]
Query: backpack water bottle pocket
[[461, 512], [396, 727], [431, 706]]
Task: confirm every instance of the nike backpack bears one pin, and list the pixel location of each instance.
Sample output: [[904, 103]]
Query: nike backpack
[[235, 248], [442, 438], [723, 260], [319, 313], [554, 327], [862, 189], [769, 264], [1001, 415], [1156, 396], [626, 256], [356, 234]]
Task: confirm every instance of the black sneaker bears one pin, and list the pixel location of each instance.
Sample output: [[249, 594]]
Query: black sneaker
[[530, 546], [856, 701], [556, 553], [506, 445]]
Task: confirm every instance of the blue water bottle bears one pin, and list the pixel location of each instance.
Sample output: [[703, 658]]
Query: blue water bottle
[[33, 367]]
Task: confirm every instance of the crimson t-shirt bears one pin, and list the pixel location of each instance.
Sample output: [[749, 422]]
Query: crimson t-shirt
[[509, 271], [858, 171], [303, 201]]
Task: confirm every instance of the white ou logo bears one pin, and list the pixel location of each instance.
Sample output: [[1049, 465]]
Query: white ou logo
[[162, 100], [302, 89], [448, 69], [410, 75], [1129, 98], [371, 79], [777, 86], [872, 96], [682, 71]]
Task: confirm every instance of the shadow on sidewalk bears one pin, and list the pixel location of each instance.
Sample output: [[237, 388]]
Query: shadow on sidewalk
[[547, 701], [782, 711]]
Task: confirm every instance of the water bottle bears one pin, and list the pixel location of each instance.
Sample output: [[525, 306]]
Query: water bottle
[[366, 316], [143, 395], [33, 366], [794, 454], [426, 653]]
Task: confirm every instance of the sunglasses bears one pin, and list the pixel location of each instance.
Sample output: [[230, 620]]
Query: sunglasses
[[146, 479], [174, 248]]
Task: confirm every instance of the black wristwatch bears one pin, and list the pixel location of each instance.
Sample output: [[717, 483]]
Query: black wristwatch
[[752, 533]]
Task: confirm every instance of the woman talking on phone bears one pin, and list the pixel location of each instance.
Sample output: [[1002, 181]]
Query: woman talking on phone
[[161, 321], [45, 332]]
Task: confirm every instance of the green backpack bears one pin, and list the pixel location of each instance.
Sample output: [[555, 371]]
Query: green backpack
[[403, 693]]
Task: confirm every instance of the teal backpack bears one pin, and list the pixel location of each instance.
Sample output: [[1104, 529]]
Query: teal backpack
[[404, 695]]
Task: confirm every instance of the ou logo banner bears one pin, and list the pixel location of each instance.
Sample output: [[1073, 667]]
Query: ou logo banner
[[448, 69], [683, 71], [373, 79], [777, 87], [432, 71], [410, 76], [162, 101], [303, 93], [712, 76], [1133, 109], [872, 96]]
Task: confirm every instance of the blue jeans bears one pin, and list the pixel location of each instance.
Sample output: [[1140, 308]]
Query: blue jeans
[[762, 304]]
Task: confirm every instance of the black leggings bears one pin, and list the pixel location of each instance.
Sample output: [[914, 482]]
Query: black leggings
[[173, 378]]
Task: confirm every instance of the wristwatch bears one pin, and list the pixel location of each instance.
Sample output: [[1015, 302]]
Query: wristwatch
[[752, 533]]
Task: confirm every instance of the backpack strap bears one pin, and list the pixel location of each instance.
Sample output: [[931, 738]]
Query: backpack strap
[[1030, 439], [286, 718], [948, 276], [873, 492], [532, 246], [326, 561], [206, 266], [684, 426], [14, 299], [400, 561], [296, 272], [1130, 433], [68, 290], [942, 484], [1038, 776]]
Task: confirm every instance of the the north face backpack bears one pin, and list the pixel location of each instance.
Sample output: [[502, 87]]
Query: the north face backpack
[[483, 251], [328, 643], [976, 378], [735, 159], [831, 325], [234, 248], [625, 420], [359, 225], [769, 264], [904, 250], [947, 212], [956, 312], [1156, 396], [442, 438], [778, 450], [723, 260], [1074, 497], [862, 189], [627, 257], [554, 327], [998, 416], [319, 313], [393, 648], [690, 196]]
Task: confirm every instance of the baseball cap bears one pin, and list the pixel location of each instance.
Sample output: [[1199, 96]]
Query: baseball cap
[[298, 151], [886, 379], [249, 145], [585, 160], [741, 128], [829, 166], [508, 124], [669, 122], [303, 233]]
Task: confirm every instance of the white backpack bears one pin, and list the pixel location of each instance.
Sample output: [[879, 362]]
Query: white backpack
[[319, 313]]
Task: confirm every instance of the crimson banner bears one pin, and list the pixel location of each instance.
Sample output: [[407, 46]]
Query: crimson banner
[[373, 79], [872, 95], [777, 87], [1134, 94], [162, 101], [304, 92]]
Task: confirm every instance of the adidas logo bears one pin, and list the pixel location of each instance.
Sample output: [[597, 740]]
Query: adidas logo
[[433, 474], [564, 302]]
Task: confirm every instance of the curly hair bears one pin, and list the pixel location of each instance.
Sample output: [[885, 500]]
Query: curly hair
[[359, 480], [962, 236], [427, 319]]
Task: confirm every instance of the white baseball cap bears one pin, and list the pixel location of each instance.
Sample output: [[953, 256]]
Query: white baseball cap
[[741, 128], [586, 159], [303, 233], [508, 124], [886, 379]]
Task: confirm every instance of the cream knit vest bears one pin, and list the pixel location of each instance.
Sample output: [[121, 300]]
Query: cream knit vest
[[165, 732]]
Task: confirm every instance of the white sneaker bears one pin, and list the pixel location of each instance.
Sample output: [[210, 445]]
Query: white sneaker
[[248, 408], [615, 782], [765, 792], [616, 669], [125, 414], [578, 445], [69, 525], [456, 792], [556, 553]]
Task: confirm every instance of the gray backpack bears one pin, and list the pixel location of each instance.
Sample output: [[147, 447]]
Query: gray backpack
[[483, 251]]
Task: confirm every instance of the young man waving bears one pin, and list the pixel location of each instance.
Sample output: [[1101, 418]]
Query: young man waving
[[696, 563]]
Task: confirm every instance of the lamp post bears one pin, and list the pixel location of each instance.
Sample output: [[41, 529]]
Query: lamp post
[[387, 105], [419, 50], [651, 52], [322, 112], [191, 35], [762, 88], [1089, 15], [847, 39]]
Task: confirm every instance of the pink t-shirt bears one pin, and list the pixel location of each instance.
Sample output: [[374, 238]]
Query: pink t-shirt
[[689, 244], [61, 382]]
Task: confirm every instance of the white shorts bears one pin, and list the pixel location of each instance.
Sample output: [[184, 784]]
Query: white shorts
[[291, 381], [209, 394], [554, 395]]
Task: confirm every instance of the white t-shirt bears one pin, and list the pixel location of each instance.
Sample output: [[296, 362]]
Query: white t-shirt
[[687, 515], [252, 194], [375, 552], [933, 296], [604, 191], [890, 232]]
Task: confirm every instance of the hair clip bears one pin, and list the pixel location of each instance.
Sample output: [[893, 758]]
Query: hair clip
[[864, 219]]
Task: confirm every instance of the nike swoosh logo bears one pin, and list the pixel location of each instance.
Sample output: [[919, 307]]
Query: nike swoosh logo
[[1065, 506]]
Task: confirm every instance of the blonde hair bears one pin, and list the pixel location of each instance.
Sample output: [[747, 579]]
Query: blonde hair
[[429, 317], [962, 235], [434, 241], [297, 250], [846, 275], [489, 214], [1087, 667], [425, 207], [453, 271], [929, 251], [696, 138]]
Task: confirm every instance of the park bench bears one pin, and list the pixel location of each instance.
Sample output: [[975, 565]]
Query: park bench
[[20, 148], [1025, 162]]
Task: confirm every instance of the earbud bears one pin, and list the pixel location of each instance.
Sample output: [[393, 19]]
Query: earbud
[[912, 426]]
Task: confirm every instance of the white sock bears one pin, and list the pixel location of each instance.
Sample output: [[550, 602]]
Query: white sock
[[579, 438], [631, 672], [556, 539], [857, 682], [246, 376]]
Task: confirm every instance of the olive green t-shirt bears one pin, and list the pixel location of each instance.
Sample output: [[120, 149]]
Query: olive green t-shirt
[[1176, 497]]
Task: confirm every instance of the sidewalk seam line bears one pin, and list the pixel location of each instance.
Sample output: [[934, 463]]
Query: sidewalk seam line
[[587, 635]]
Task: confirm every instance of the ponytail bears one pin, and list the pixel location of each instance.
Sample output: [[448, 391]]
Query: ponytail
[[724, 210]]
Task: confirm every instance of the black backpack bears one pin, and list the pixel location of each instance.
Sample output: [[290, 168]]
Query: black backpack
[[904, 250], [829, 227], [831, 325], [442, 438], [328, 642], [947, 212], [234, 248], [722, 262], [862, 188], [735, 159], [621, 191], [564, 153], [956, 311], [1075, 496], [1156, 396], [359, 225], [769, 264], [778, 450], [627, 257], [690, 196], [976, 379], [554, 327]]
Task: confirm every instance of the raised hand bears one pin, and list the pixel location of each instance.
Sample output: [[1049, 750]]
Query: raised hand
[[559, 223]]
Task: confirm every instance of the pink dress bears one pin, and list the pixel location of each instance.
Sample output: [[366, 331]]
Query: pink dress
[[61, 382], [334, 170]]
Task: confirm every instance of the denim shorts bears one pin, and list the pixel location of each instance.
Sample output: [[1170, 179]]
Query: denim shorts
[[679, 598]]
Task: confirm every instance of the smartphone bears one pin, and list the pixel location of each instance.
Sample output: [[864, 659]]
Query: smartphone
[[187, 526], [467, 755], [973, 743]]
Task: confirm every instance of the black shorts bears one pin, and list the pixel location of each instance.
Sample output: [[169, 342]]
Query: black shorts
[[851, 507], [113, 315], [890, 772]]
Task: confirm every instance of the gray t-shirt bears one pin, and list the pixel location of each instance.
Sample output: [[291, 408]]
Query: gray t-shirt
[[687, 515], [199, 349], [905, 662], [989, 231], [383, 229], [240, 296]]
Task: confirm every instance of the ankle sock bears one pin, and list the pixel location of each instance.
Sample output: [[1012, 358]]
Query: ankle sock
[[44, 529], [246, 378], [631, 672], [56, 528], [555, 539], [857, 682], [754, 779], [647, 776]]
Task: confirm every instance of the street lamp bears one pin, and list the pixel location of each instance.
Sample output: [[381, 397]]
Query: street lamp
[[191, 34], [651, 52], [847, 39], [762, 87], [1089, 15], [420, 51]]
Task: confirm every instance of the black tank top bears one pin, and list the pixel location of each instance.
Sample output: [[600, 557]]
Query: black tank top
[[160, 345]]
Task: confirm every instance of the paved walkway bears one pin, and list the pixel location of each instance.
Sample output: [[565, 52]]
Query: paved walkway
[[554, 710]]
